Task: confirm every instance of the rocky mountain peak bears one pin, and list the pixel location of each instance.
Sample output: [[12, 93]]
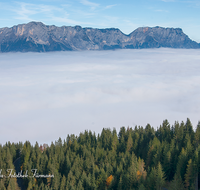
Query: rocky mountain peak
[[36, 36]]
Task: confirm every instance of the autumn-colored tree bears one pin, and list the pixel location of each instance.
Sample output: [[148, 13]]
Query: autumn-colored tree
[[141, 171], [109, 180]]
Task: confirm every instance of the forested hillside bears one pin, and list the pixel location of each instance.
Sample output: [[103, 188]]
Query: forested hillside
[[138, 159]]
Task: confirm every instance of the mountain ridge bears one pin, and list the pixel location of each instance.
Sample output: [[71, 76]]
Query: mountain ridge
[[38, 37]]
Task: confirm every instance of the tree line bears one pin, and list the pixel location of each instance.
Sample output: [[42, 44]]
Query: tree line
[[139, 158]]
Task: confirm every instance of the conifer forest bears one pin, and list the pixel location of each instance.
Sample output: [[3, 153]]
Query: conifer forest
[[139, 158]]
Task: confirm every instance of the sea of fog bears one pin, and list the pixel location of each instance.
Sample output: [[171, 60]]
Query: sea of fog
[[44, 96]]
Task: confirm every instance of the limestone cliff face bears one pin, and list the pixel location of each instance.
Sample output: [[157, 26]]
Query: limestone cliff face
[[162, 37], [37, 37]]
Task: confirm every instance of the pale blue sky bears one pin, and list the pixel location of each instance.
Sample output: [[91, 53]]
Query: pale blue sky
[[126, 15]]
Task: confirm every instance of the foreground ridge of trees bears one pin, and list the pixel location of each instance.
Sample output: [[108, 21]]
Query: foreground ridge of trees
[[136, 159]]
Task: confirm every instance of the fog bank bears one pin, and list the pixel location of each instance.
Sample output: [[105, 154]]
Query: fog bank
[[45, 96]]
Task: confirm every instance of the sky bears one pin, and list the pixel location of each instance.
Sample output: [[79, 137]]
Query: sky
[[126, 15], [45, 96]]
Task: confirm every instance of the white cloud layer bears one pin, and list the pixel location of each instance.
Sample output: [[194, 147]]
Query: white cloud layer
[[45, 96]]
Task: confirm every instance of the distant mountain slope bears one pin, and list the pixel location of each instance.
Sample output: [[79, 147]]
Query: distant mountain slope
[[37, 37]]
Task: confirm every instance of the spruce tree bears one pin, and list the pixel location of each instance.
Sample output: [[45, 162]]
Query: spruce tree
[[160, 177], [189, 176], [177, 183]]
